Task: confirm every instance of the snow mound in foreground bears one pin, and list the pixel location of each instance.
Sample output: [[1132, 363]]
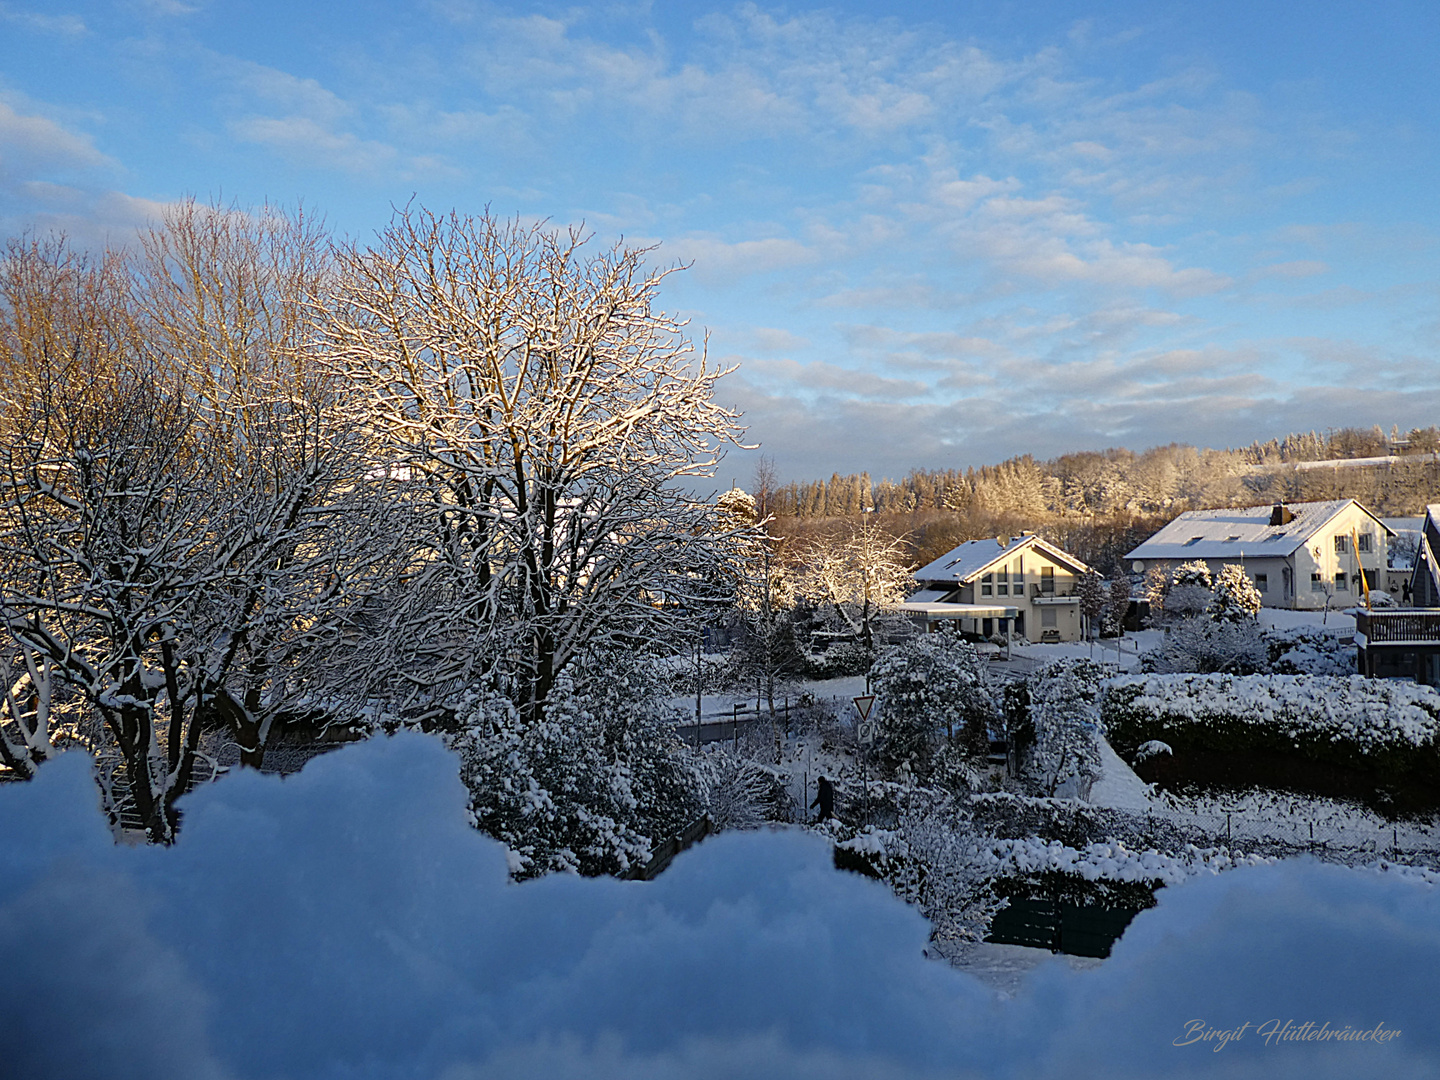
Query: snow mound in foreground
[[347, 922]]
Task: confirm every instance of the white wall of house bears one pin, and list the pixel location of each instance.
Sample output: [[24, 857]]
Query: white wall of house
[[1326, 565]]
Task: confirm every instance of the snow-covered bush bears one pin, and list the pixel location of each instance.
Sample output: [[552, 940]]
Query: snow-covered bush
[[840, 659], [739, 792], [932, 693], [1308, 650], [1204, 645], [1190, 589], [1235, 598], [591, 785], [936, 860], [1064, 758]]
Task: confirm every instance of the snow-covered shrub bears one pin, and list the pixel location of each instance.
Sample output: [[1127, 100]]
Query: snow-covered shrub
[[1203, 645], [840, 659], [1190, 589], [591, 785], [1235, 598], [1308, 650], [936, 860], [1064, 758], [739, 792], [932, 692]]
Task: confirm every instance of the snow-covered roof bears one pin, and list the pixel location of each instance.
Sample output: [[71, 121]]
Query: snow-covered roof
[[930, 596], [1245, 531], [974, 557]]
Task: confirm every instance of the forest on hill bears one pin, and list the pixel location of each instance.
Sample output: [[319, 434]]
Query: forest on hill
[[1099, 504]]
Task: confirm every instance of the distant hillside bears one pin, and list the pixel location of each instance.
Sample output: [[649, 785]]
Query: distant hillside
[[1394, 475], [1098, 504]]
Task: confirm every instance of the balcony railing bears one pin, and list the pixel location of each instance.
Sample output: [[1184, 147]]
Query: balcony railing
[[1406, 625]]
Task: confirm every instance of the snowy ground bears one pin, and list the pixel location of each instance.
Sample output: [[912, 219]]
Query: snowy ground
[[1004, 968], [1118, 786]]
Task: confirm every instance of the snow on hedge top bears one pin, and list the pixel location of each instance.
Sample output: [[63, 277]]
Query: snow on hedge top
[[1373, 713], [1116, 862]]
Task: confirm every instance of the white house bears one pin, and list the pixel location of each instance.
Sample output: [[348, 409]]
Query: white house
[[1303, 555], [1008, 585]]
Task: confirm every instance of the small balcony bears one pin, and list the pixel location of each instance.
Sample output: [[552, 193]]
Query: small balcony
[[1401, 626]]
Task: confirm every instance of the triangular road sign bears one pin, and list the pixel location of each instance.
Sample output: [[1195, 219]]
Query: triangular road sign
[[864, 704]]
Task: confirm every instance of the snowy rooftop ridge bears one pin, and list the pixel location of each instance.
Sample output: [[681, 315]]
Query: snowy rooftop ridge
[[1242, 531], [961, 564]]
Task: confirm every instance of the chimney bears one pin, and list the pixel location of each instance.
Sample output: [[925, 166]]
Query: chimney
[[1280, 514]]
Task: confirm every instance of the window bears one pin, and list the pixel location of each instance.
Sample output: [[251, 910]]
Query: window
[[987, 587], [1194, 540], [1341, 585], [1342, 545], [1002, 578], [1017, 576], [1262, 582], [1047, 616], [1367, 542], [1047, 580], [1317, 583]]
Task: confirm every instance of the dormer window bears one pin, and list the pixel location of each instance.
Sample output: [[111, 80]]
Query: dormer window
[[1193, 540]]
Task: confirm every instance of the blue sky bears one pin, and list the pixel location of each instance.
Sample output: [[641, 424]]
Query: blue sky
[[931, 237]]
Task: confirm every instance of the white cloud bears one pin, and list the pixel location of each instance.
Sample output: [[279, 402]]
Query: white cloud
[[30, 143], [64, 25], [718, 260], [309, 143]]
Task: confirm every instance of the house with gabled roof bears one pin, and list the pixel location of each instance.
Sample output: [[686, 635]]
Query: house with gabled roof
[[1304, 555], [1019, 586]]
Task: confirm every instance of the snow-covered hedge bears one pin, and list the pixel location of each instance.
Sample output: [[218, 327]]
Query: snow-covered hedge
[[1114, 861], [1340, 720]]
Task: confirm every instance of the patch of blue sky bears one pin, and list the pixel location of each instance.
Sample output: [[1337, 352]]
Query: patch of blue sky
[[931, 239]]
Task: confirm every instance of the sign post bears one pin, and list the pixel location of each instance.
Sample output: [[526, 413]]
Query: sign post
[[864, 736]]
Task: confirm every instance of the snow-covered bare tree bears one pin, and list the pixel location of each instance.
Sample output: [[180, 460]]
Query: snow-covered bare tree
[[226, 299], [859, 572], [767, 652], [173, 488], [551, 420]]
